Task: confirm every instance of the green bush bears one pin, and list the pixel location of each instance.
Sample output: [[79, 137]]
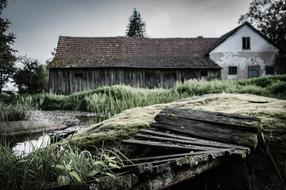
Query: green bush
[[53, 102], [278, 88], [252, 89]]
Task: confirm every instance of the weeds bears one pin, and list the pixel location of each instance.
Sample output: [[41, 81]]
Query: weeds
[[55, 166], [13, 112]]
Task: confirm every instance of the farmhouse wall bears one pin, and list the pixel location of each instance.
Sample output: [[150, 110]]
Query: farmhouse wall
[[230, 53]]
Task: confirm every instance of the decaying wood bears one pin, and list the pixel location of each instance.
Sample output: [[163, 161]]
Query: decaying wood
[[240, 122], [189, 140], [166, 139], [164, 173], [66, 81], [166, 145], [172, 177], [226, 128]]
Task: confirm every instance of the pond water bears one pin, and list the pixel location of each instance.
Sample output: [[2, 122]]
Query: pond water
[[71, 121]]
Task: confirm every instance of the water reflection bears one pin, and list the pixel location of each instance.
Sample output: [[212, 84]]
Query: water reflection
[[71, 120], [28, 146]]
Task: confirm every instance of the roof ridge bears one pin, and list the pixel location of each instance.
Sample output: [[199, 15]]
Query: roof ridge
[[124, 37]]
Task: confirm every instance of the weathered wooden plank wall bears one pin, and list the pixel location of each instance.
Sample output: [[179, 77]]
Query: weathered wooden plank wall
[[73, 80]]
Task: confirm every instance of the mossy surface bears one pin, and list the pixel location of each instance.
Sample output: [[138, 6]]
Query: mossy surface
[[271, 111], [121, 126]]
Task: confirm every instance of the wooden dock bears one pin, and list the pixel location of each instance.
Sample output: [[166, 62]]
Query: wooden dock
[[180, 145]]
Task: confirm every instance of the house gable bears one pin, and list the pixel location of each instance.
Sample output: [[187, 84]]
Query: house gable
[[232, 41]]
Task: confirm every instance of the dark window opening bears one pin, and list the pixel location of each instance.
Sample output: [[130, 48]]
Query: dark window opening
[[204, 73], [253, 71], [78, 75], [232, 70], [269, 70], [246, 43]]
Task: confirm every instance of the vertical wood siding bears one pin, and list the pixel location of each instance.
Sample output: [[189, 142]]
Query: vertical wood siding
[[73, 80]]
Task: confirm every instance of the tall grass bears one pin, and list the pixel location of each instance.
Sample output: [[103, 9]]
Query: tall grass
[[107, 101], [58, 166], [13, 112]]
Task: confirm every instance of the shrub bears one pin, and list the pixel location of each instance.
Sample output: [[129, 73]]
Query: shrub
[[278, 88], [52, 102], [252, 89]]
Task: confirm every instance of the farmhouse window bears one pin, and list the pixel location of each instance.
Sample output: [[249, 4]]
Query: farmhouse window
[[204, 73], [232, 70], [78, 75], [246, 43], [269, 70]]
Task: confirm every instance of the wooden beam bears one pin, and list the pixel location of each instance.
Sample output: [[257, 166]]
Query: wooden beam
[[166, 145], [208, 131], [240, 122], [209, 144], [175, 175], [194, 140]]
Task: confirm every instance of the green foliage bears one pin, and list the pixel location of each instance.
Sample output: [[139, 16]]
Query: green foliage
[[13, 112], [55, 166], [136, 26], [32, 78], [279, 89], [7, 57], [252, 89]]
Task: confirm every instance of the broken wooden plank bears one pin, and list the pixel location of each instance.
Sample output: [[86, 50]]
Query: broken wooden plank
[[240, 122], [210, 152], [175, 175], [180, 169], [215, 126], [210, 132], [153, 132], [166, 145], [195, 140], [187, 142]]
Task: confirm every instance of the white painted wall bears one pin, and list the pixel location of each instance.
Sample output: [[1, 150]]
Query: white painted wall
[[230, 53]]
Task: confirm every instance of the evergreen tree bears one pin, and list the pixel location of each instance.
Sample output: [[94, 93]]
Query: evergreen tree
[[7, 57], [269, 16], [136, 26]]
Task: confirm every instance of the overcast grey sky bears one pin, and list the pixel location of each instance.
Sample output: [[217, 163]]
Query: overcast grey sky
[[38, 23]]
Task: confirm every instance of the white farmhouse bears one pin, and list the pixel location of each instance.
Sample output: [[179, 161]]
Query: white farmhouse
[[244, 53]]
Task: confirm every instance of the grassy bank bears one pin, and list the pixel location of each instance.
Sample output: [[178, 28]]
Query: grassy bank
[[108, 101]]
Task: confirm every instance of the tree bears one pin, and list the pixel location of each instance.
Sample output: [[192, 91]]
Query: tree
[[7, 57], [32, 78], [269, 16], [136, 26]]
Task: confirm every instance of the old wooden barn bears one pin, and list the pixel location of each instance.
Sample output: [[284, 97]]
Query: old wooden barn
[[83, 63]]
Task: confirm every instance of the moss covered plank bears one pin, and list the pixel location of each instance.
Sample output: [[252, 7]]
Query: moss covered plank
[[226, 128]]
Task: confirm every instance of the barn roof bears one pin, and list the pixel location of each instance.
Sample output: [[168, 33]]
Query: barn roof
[[93, 52]]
